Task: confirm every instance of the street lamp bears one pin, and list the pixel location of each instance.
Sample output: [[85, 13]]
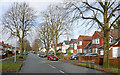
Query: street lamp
[[15, 49]]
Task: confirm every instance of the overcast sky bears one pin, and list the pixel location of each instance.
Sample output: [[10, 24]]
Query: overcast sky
[[40, 5]]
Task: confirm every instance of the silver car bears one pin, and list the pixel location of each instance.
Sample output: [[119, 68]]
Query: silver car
[[92, 54]]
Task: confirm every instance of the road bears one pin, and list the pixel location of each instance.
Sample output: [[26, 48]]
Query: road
[[35, 64]]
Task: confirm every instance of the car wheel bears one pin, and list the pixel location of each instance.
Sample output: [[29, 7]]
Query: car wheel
[[75, 59]]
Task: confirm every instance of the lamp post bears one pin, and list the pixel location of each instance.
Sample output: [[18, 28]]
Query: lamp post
[[15, 50]]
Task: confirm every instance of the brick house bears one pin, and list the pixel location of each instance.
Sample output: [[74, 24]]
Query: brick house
[[82, 41], [97, 41], [88, 47], [114, 44], [96, 45], [73, 46]]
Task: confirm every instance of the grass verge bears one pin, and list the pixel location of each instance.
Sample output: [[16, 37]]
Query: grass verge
[[17, 58], [114, 70], [11, 67]]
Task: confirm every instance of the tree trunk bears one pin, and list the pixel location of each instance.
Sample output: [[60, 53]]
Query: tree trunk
[[106, 48], [106, 37], [21, 47]]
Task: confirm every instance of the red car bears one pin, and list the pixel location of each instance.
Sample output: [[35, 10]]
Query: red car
[[52, 57]]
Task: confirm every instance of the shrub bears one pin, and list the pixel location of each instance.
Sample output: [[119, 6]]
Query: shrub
[[69, 53], [58, 54], [9, 52], [17, 51]]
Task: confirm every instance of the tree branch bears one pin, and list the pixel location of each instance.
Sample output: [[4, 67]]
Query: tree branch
[[114, 21], [93, 7], [112, 12]]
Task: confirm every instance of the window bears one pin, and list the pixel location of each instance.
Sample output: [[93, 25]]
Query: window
[[71, 45], [89, 51], [95, 50], [79, 50], [79, 42], [96, 41], [85, 51]]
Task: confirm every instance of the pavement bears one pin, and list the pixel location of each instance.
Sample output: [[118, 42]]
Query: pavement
[[36, 64]]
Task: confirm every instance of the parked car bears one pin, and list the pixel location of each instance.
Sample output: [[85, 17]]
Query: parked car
[[52, 57], [24, 53], [65, 54], [78, 54], [42, 55], [72, 56], [92, 54]]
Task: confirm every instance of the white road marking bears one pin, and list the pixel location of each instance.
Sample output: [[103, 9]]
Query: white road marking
[[43, 61], [52, 66], [61, 71], [56, 68]]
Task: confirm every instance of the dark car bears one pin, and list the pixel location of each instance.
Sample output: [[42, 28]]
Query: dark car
[[24, 53], [79, 54], [72, 56], [52, 57], [42, 55]]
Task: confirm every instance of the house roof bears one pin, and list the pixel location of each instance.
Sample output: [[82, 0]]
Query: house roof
[[113, 33], [67, 42], [111, 44], [100, 33], [82, 37], [17, 47], [74, 40], [88, 45], [60, 44], [6, 45]]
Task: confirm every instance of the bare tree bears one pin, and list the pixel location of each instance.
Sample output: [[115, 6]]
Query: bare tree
[[104, 14], [44, 34], [26, 45], [56, 19], [35, 45], [18, 20]]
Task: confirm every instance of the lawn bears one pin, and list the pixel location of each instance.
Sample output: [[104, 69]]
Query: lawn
[[88, 65], [114, 69], [11, 67], [17, 58], [95, 66]]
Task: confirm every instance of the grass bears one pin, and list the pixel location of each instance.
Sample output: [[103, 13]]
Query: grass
[[114, 69], [95, 66], [17, 58], [88, 65], [11, 67]]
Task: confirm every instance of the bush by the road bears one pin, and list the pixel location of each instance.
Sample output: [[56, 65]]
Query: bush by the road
[[69, 53]]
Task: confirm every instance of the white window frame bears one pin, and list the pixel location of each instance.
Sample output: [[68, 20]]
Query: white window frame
[[79, 50], [71, 45], [79, 43], [96, 41], [95, 50]]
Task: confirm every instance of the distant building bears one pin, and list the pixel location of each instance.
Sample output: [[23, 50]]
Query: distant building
[[65, 46]]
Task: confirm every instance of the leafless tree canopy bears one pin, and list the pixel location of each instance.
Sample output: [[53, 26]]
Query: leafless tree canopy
[[18, 20], [92, 13], [57, 22], [103, 13]]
